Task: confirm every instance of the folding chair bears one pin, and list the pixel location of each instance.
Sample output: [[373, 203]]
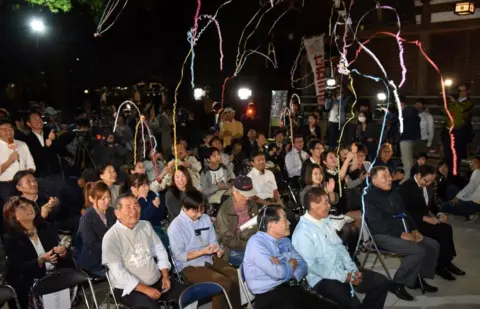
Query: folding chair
[[371, 247], [120, 305], [62, 279], [201, 291], [246, 295], [8, 293], [175, 269]]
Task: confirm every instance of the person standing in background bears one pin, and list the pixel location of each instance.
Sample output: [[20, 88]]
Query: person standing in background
[[410, 136], [427, 126], [461, 111], [231, 128]]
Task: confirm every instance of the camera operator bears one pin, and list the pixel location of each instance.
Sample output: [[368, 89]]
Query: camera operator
[[78, 144]]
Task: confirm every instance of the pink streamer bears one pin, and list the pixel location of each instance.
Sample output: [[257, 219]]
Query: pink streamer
[[220, 40], [195, 19]]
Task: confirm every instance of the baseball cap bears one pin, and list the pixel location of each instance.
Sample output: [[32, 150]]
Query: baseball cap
[[50, 111], [244, 185], [229, 110]]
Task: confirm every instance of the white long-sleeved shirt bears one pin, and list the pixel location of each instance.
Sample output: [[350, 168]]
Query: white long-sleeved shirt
[[471, 192], [129, 255], [427, 128], [293, 163], [25, 160]]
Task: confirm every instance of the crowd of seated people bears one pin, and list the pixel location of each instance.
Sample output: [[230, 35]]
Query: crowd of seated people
[[225, 205]]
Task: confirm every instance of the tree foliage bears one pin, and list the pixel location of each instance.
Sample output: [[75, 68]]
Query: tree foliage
[[56, 6]]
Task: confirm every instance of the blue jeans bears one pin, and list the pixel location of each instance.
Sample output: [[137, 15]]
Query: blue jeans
[[461, 208], [236, 257]]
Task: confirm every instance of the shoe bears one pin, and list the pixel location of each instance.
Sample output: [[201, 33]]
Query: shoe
[[426, 287], [455, 270], [400, 292], [445, 274]]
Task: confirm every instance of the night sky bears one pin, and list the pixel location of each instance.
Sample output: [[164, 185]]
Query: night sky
[[148, 42]]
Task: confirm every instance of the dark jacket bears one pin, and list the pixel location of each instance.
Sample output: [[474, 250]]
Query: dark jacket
[[380, 207], [46, 160], [90, 234], [307, 134], [150, 213], [226, 226], [173, 202], [411, 124], [414, 201], [23, 259]]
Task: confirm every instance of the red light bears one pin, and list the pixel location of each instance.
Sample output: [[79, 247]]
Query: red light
[[250, 111]]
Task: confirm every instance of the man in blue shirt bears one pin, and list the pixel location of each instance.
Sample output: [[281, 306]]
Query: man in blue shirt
[[331, 271], [273, 268], [196, 252]]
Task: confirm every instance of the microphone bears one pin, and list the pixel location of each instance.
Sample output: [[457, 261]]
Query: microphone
[[12, 146]]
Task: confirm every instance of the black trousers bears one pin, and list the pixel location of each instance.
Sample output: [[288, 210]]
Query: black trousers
[[443, 234], [140, 300], [286, 297], [332, 134], [374, 285]]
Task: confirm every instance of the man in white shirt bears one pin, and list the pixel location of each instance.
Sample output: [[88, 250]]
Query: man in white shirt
[[128, 250], [14, 155], [471, 192], [295, 158], [427, 128], [263, 180]]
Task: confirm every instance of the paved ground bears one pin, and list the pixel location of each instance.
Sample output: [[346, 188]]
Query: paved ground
[[460, 294], [464, 293]]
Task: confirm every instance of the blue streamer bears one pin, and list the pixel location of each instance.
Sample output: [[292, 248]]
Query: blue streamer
[[376, 79]]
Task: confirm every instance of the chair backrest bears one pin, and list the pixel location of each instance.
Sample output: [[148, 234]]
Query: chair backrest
[[246, 295], [7, 293], [175, 268], [201, 291], [59, 280], [110, 286]]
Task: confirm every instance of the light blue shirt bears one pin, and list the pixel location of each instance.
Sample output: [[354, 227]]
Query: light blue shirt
[[183, 239], [261, 273], [318, 244]]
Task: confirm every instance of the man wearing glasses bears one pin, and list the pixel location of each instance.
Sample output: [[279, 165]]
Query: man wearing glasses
[[421, 205]]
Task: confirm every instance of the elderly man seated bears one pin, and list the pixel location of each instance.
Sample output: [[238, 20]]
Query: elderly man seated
[[196, 251], [419, 254], [331, 270], [233, 231], [273, 268], [128, 249]]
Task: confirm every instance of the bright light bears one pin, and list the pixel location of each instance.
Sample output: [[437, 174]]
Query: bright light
[[448, 82], [331, 82], [198, 93], [37, 25], [85, 91], [381, 96], [244, 93]]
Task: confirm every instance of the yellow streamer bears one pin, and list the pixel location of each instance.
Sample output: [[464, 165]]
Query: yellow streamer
[[135, 143], [174, 116], [352, 89]]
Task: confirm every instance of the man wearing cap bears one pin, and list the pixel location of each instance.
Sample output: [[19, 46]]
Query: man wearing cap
[[231, 128], [234, 213]]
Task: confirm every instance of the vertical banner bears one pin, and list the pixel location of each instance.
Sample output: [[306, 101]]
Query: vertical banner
[[316, 57], [279, 101]]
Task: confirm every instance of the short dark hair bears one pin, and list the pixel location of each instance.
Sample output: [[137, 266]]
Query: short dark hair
[[193, 200], [313, 143], [256, 154], [421, 101], [421, 155], [137, 180], [83, 123], [268, 214], [362, 148], [5, 120], [308, 173], [19, 175], [236, 141], [403, 99], [279, 131], [211, 151], [374, 171], [314, 195], [425, 170], [298, 136], [215, 138], [30, 113], [121, 197], [324, 155]]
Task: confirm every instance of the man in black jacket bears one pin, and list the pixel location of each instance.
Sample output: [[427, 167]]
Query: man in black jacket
[[419, 254], [422, 208]]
